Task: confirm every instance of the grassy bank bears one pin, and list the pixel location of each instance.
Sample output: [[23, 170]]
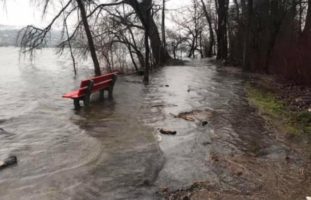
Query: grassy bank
[[278, 113]]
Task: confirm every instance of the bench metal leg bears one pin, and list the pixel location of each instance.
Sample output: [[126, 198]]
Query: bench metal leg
[[76, 103], [87, 97], [86, 100], [110, 90], [101, 94]]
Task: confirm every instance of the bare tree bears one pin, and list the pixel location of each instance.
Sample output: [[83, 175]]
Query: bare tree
[[211, 32], [192, 24], [32, 37], [89, 37], [163, 24], [70, 48], [307, 27], [177, 40], [160, 54], [222, 7], [147, 64]]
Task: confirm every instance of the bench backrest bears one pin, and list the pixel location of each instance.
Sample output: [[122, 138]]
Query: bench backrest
[[100, 82]]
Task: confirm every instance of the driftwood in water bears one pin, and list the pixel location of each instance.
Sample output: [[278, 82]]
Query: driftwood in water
[[167, 132], [10, 161]]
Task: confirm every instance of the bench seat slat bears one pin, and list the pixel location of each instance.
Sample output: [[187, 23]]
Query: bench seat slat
[[81, 92], [72, 95], [101, 85]]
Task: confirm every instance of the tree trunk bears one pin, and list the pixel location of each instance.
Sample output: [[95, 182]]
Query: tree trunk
[[163, 26], [192, 47], [160, 53], [300, 15], [89, 37], [174, 52], [201, 45], [307, 28], [247, 22], [132, 57], [70, 48], [277, 17], [211, 32], [222, 46], [237, 7], [147, 67]]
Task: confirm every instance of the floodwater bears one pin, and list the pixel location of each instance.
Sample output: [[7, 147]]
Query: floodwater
[[112, 150]]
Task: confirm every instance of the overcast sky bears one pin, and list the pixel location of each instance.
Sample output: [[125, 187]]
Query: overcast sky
[[24, 12]]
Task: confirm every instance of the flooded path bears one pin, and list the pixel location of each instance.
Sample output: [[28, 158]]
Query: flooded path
[[236, 156], [113, 150]]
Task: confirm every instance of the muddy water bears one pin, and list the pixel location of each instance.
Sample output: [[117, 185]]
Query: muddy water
[[112, 150], [237, 155], [103, 152]]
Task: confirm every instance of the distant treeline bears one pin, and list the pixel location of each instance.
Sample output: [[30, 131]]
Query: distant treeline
[[9, 35]]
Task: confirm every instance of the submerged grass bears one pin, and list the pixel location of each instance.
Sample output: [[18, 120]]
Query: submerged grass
[[278, 113]]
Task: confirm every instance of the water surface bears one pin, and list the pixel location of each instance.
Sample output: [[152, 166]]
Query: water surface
[[112, 150]]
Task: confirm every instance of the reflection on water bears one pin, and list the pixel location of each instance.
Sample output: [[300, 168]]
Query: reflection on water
[[112, 150]]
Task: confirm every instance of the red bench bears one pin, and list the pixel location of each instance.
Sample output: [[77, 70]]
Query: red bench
[[89, 86]]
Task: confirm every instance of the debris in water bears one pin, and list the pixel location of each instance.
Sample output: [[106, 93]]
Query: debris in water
[[11, 160], [167, 132], [204, 123], [239, 173], [186, 197], [206, 143], [167, 86], [146, 183], [196, 115], [163, 190], [188, 118], [215, 158], [287, 158], [159, 105]]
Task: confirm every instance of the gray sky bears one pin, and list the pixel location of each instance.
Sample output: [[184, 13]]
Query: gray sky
[[23, 12], [20, 13]]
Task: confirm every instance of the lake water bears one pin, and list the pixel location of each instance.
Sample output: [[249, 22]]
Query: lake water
[[103, 151], [112, 150]]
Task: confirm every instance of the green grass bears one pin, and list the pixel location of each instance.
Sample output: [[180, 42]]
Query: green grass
[[277, 112]]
